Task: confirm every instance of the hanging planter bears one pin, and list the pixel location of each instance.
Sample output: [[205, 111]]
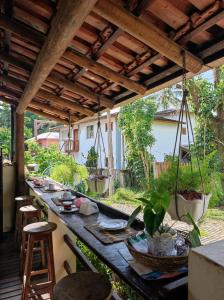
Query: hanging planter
[[97, 181], [189, 195], [189, 202]]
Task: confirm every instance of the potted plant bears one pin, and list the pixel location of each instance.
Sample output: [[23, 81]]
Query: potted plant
[[167, 248], [96, 182], [188, 193]]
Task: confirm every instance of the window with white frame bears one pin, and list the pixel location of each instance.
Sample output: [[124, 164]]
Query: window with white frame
[[90, 132]]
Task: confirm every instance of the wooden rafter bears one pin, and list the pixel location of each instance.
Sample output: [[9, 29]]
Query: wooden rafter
[[61, 81], [103, 71], [147, 33], [69, 17], [47, 115], [77, 58], [64, 103]]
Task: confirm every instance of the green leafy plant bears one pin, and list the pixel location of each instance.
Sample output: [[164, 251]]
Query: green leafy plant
[[92, 158], [154, 206], [135, 121]]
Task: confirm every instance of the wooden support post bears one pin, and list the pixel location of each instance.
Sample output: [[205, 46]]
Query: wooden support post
[[110, 154], [13, 123], [20, 173], [67, 21]]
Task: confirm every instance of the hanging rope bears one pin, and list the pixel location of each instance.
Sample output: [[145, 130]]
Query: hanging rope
[[184, 109], [99, 141]]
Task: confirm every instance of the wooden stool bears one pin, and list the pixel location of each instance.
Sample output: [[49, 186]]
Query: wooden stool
[[83, 286], [37, 232], [28, 214], [21, 201]]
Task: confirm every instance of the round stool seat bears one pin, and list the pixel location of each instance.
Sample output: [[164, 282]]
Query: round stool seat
[[28, 209], [83, 286], [24, 198], [40, 227]]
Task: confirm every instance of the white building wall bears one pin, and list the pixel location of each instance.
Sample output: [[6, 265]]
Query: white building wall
[[86, 143], [163, 131]]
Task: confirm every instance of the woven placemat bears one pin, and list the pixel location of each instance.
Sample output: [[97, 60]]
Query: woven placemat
[[109, 237]]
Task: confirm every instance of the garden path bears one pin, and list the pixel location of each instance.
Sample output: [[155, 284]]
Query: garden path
[[212, 230]]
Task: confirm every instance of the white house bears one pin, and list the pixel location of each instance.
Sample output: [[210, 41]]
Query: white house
[[83, 137]]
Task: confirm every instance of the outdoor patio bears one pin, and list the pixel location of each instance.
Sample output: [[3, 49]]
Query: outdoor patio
[[67, 61]]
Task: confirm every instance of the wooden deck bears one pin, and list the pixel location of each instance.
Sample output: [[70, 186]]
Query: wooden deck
[[10, 281]]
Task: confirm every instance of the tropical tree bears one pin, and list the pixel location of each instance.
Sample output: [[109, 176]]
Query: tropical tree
[[135, 122], [168, 97], [207, 101]]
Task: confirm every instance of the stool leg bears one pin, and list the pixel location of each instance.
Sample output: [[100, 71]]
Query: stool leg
[[23, 253], [28, 269], [42, 250], [51, 274]]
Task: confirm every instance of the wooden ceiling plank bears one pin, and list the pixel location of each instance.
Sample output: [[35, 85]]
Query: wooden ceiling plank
[[146, 33], [80, 90], [61, 81], [47, 115], [38, 38], [105, 72], [67, 21], [64, 103], [49, 96], [51, 109]]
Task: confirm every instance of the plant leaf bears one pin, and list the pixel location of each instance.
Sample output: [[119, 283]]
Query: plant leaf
[[153, 219], [134, 215], [194, 238]]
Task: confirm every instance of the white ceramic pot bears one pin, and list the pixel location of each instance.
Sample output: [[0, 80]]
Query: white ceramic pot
[[98, 185], [162, 244], [197, 207]]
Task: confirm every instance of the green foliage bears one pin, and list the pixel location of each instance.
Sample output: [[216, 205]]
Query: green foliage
[[194, 234], [188, 180], [216, 214], [124, 195], [135, 121], [123, 290], [154, 206], [5, 141], [61, 167], [92, 158]]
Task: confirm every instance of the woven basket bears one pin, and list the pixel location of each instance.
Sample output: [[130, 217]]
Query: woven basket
[[159, 263]]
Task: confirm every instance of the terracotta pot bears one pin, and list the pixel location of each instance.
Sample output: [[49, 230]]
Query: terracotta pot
[[197, 207]]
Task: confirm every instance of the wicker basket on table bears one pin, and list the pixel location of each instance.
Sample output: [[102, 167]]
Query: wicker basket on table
[[159, 263]]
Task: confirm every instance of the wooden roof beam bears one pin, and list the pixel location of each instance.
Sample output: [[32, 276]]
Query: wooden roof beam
[[75, 57], [4, 92], [80, 90], [64, 103], [104, 71], [61, 81], [52, 110], [68, 19], [146, 33], [46, 115]]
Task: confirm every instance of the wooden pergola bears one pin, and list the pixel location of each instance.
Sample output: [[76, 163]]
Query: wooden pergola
[[61, 59]]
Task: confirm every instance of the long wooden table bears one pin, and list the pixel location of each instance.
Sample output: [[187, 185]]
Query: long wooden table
[[111, 254]]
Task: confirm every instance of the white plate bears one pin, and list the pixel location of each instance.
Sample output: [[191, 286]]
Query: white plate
[[113, 224], [62, 199], [68, 211]]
